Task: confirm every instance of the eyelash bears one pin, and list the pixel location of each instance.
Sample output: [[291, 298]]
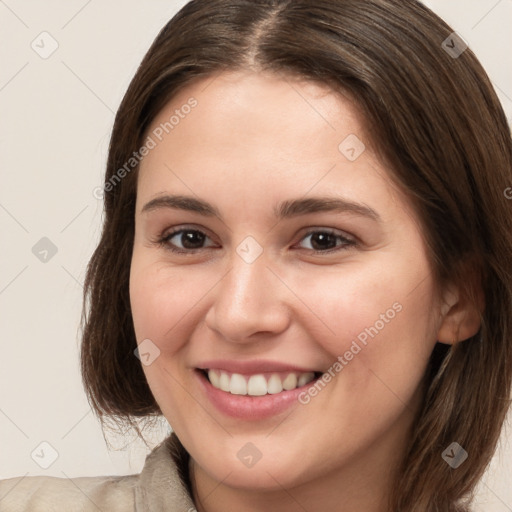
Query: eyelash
[[163, 241]]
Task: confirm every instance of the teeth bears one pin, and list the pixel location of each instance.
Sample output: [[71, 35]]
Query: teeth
[[224, 382], [304, 379], [290, 382], [214, 378], [274, 385], [258, 385], [238, 385]]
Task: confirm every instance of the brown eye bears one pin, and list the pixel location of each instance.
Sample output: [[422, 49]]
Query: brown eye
[[184, 240], [327, 241]]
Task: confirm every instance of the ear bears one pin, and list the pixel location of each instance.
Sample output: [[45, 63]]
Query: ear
[[460, 313]]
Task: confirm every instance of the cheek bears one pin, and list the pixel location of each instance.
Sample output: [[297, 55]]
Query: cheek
[[376, 323], [366, 303], [161, 300]]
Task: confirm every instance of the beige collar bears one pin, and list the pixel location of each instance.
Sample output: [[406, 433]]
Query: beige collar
[[163, 484]]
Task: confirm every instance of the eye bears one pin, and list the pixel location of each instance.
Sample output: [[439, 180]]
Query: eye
[[183, 240], [189, 241], [327, 240]]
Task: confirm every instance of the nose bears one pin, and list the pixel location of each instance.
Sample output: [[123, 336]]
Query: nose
[[249, 303]]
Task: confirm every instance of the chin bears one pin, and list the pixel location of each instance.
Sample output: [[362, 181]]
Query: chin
[[262, 477], [238, 463]]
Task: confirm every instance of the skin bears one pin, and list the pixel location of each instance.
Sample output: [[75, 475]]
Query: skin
[[252, 141]]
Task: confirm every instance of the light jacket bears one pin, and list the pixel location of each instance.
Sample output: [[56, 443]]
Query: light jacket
[[162, 486]]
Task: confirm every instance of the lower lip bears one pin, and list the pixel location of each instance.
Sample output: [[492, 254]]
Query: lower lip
[[250, 407]]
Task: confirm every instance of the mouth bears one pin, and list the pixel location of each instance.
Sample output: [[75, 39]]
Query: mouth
[[258, 384], [253, 390]]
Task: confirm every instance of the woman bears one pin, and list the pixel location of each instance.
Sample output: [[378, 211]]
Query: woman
[[372, 373]]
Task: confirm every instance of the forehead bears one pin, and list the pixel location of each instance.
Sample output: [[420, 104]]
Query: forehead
[[258, 132], [240, 108]]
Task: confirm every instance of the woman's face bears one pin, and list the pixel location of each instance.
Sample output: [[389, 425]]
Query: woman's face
[[273, 252]]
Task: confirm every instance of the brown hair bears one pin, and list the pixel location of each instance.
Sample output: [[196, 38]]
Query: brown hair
[[433, 116]]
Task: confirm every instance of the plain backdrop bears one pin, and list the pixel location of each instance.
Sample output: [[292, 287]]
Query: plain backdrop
[[56, 115]]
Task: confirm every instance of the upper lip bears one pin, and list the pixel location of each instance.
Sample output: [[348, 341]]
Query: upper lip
[[252, 367]]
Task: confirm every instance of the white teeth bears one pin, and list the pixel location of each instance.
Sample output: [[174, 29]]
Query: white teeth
[[305, 378], [214, 378], [224, 381], [238, 385], [257, 385], [290, 382], [274, 385]]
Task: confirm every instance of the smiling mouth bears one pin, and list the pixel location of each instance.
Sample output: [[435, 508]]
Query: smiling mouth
[[259, 384]]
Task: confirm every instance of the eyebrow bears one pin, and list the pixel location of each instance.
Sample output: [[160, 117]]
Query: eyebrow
[[284, 210]]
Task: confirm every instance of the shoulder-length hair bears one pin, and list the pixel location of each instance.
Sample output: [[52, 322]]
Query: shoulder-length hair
[[433, 116]]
